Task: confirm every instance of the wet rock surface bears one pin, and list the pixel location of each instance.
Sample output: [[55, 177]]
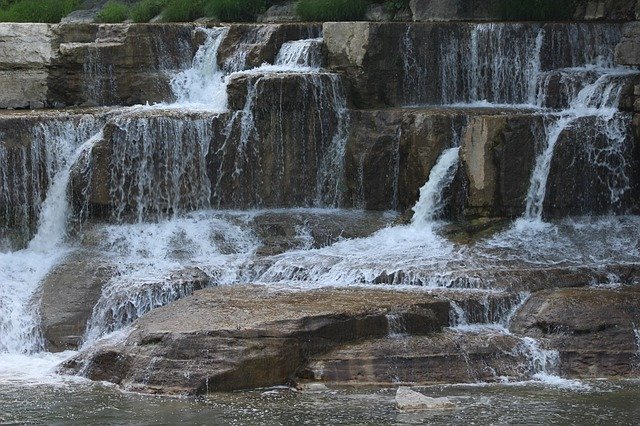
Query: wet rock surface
[[592, 328], [241, 337], [68, 296]]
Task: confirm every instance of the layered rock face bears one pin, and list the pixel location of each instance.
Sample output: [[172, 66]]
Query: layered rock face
[[479, 122], [26, 53], [249, 336]]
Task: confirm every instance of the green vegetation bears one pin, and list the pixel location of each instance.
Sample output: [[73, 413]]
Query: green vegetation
[[235, 10], [332, 10], [537, 10], [225, 10], [113, 12], [50, 11], [183, 10], [397, 5], [146, 10]]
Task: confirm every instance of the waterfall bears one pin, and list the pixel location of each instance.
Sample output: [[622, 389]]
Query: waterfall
[[158, 166], [500, 64], [431, 202], [396, 326], [305, 53], [203, 85], [599, 100], [22, 271]]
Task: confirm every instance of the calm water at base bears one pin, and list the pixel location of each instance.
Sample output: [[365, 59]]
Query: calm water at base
[[606, 402]]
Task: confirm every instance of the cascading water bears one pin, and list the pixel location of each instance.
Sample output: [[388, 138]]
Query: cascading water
[[598, 100], [162, 168], [203, 84], [431, 202], [305, 53], [22, 271]]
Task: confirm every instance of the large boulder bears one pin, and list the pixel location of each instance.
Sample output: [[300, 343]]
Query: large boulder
[[448, 357], [67, 297], [498, 154], [410, 400], [241, 337]]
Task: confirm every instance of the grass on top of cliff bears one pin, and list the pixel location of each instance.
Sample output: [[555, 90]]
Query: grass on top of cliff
[[113, 12], [332, 10], [49, 11]]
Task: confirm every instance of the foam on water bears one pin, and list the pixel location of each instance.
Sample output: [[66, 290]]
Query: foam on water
[[157, 263], [202, 86]]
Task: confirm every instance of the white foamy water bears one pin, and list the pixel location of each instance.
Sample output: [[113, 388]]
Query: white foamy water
[[431, 202], [157, 263], [305, 53], [203, 85], [22, 271]]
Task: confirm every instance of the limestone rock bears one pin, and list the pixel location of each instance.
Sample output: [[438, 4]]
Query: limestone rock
[[410, 400], [25, 52], [68, 295], [498, 165], [247, 336], [447, 357], [82, 16], [378, 12]]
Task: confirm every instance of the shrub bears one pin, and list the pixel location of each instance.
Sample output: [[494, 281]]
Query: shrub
[[49, 11], [235, 10], [537, 10], [113, 12], [183, 10], [332, 10], [146, 10]]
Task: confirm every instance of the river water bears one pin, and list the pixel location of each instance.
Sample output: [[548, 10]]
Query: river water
[[73, 402]]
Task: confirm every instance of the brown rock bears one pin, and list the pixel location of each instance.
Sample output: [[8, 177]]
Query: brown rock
[[246, 336], [448, 357], [593, 328]]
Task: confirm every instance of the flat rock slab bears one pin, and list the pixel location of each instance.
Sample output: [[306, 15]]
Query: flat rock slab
[[240, 337]]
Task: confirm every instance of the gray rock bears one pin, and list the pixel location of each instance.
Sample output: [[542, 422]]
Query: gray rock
[[68, 296], [83, 16], [593, 328], [284, 12], [378, 12], [410, 400]]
